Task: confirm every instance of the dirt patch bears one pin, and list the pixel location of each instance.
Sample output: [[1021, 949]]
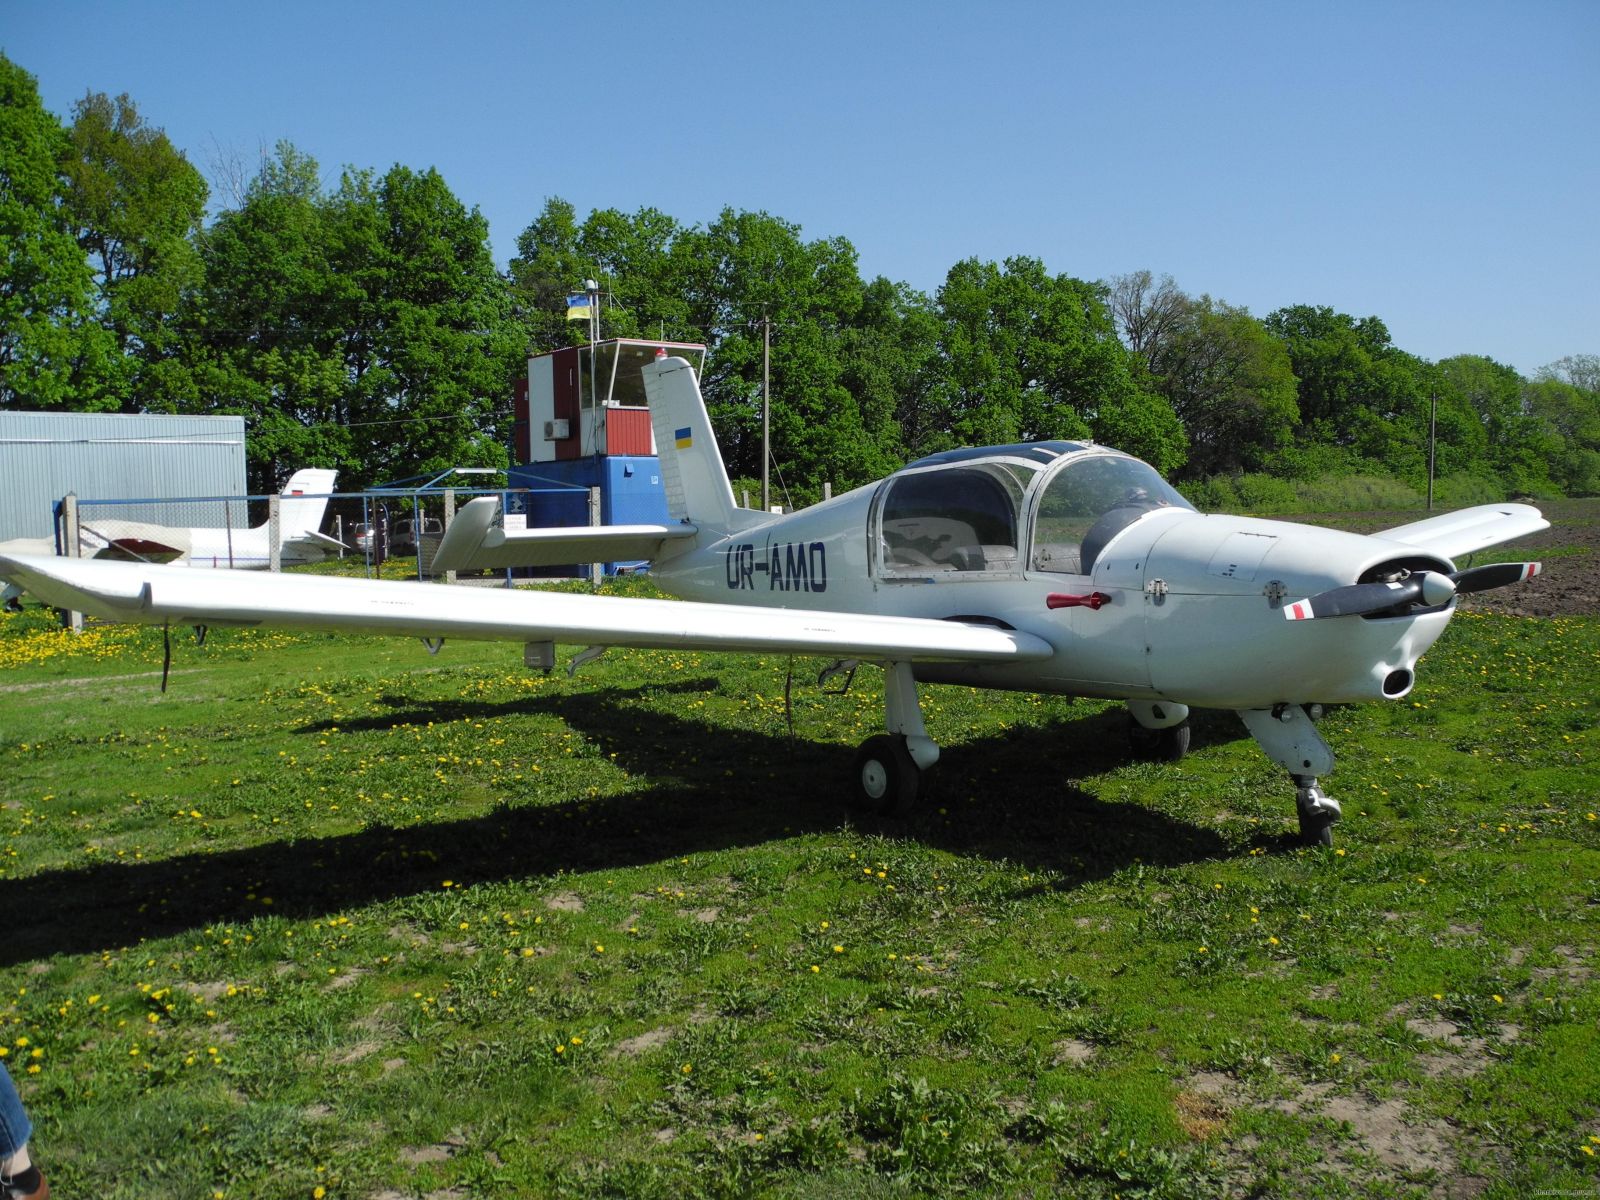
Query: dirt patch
[[415, 1156], [1572, 966], [1200, 1117], [564, 902], [357, 1052], [1385, 1130], [1070, 1051], [643, 1043]]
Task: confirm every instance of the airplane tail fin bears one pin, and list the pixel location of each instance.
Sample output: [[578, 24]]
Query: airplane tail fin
[[303, 501], [692, 470]]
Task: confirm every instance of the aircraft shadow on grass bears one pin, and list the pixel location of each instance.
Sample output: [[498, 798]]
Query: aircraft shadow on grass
[[1017, 796]]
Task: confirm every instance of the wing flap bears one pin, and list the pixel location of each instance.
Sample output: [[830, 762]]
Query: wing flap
[[1471, 529], [154, 595], [475, 543]]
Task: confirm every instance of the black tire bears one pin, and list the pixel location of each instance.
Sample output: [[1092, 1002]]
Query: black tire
[[1158, 745], [1315, 830], [886, 780]]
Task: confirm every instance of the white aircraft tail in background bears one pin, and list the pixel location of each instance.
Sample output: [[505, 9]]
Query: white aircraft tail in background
[[301, 505]]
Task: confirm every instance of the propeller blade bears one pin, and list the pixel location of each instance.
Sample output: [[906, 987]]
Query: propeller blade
[[1481, 579], [1428, 588], [1356, 600]]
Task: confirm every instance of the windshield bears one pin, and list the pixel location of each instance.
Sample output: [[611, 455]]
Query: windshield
[[1088, 503]]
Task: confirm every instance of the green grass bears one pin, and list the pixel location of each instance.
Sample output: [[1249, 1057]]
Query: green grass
[[333, 914]]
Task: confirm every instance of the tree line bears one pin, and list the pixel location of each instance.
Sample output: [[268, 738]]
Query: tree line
[[365, 326]]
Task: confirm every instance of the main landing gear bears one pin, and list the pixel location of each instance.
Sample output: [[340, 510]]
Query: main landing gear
[[1158, 730], [891, 768], [1291, 740]]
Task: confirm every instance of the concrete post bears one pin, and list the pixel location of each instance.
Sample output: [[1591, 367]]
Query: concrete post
[[74, 544], [595, 569], [274, 536], [449, 515]]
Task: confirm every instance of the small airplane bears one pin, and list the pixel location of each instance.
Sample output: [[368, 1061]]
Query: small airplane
[[1054, 567], [303, 501]]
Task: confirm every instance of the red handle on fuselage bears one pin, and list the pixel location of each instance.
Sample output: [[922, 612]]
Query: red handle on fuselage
[[1060, 600]]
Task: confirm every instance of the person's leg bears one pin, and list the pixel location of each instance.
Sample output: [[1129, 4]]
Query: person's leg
[[18, 1175]]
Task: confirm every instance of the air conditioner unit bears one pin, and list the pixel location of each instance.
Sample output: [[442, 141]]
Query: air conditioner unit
[[556, 431]]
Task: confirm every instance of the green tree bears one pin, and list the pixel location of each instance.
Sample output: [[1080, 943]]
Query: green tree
[[136, 204], [549, 267], [1570, 419], [1034, 356], [1517, 446], [750, 267], [893, 367], [1227, 378], [1371, 400], [53, 354], [441, 349], [264, 336], [365, 329]]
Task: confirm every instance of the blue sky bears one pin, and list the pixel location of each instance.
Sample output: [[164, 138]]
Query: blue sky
[[1433, 164]]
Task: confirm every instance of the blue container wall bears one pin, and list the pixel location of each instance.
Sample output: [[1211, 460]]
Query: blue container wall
[[631, 493]]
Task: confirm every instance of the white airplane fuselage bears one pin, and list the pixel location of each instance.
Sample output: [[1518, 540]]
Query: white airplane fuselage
[[1192, 608]]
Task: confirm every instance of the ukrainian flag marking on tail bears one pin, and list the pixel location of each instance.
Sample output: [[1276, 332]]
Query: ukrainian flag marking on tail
[[684, 438]]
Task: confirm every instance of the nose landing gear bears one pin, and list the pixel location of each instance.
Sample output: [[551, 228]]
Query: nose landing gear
[[1286, 733], [1317, 810]]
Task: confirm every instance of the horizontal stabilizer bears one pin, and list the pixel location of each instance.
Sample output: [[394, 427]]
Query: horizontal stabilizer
[[321, 541], [474, 542], [157, 595], [1453, 534]]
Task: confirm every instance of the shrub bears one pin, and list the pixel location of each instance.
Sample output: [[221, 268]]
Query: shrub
[[1463, 489], [1356, 493], [1265, 493], [1215, 494]]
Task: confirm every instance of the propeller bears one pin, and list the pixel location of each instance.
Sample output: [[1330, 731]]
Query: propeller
[[1427, 588], [1481, 579]]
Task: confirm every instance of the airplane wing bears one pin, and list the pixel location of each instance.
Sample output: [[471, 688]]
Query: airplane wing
[[474, 542], [156, 595], [1471, 529]]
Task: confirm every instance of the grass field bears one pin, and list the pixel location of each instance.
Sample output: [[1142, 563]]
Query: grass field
[[332, 918]]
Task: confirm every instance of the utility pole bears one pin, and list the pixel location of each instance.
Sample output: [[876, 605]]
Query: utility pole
[[1433, 438], [766, 409], [591, 288]]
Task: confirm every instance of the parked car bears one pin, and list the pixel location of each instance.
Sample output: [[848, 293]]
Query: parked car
[[404, 533]]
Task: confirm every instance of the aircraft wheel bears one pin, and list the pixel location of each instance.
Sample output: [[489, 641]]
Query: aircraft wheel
[[1315, 829], [1159, 745], [887, 781]]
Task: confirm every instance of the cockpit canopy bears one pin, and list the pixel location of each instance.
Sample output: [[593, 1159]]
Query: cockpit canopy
[[1090, 500], [968, 511]]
